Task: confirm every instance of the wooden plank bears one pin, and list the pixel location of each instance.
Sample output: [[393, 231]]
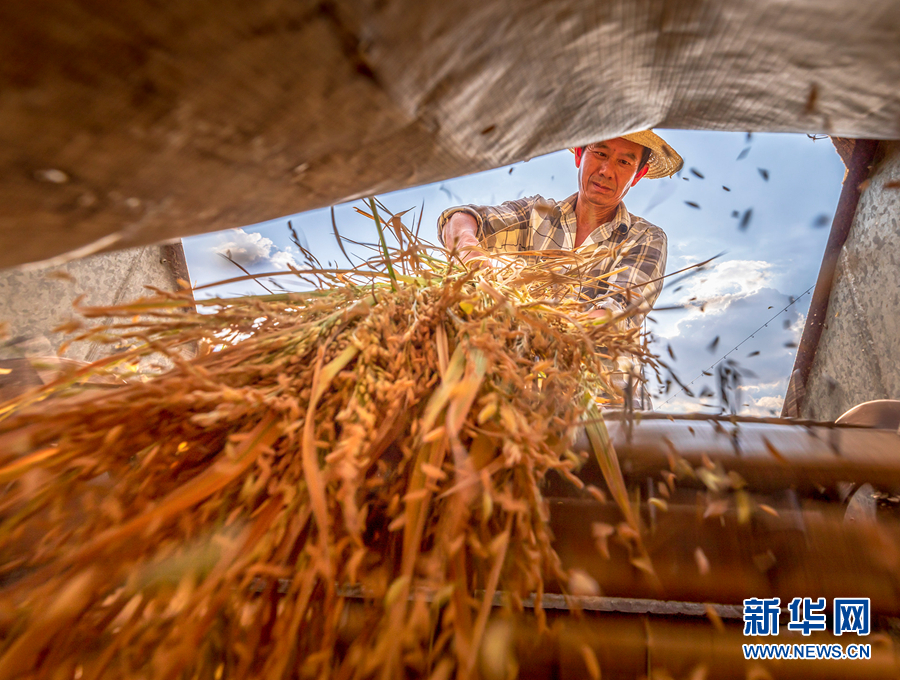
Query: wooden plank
[[767, 456], [807, 552]]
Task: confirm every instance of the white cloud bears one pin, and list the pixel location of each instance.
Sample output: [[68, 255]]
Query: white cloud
[[725, 283], [771, 402], [252, 249], [282, 258], [764, 406], [708, 295], [755, 350], [764, 387]]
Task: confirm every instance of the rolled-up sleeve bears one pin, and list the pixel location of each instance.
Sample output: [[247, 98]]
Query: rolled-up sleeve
[[503, 228]]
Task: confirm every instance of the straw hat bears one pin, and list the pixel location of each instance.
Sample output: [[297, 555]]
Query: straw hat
[[664, 160]]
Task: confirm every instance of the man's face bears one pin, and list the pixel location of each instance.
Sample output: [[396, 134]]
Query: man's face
[[608, 170]]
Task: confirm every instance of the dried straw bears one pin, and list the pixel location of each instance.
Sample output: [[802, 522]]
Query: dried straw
[[377, 444]]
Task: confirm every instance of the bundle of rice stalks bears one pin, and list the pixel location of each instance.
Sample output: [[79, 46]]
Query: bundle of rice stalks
[[375, 444]]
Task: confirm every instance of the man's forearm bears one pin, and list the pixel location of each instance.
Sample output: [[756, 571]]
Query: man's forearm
[[460, 232]]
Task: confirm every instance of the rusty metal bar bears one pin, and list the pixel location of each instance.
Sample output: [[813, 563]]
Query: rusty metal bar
[[857, 173], [625, 605], [555, 601]]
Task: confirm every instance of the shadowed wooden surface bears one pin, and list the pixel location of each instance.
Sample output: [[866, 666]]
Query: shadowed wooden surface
[[132, 122]]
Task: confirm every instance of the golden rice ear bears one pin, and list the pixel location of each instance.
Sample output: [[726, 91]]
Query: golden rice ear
[[370, 439]]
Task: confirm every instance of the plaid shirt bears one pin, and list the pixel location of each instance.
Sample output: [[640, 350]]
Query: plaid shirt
[[538, 223]]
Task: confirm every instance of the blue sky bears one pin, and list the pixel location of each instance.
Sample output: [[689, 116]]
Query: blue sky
[[789, 184]]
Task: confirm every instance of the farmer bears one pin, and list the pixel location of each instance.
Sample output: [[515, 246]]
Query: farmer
[[594, 221]]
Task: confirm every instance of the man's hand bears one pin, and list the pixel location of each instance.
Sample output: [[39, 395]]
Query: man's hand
[[460, 234], [605, 309]]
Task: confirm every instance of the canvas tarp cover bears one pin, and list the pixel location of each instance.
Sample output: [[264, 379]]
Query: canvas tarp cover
[[133, 121]]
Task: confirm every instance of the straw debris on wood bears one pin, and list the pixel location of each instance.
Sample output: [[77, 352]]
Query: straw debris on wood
[[338, 489]]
